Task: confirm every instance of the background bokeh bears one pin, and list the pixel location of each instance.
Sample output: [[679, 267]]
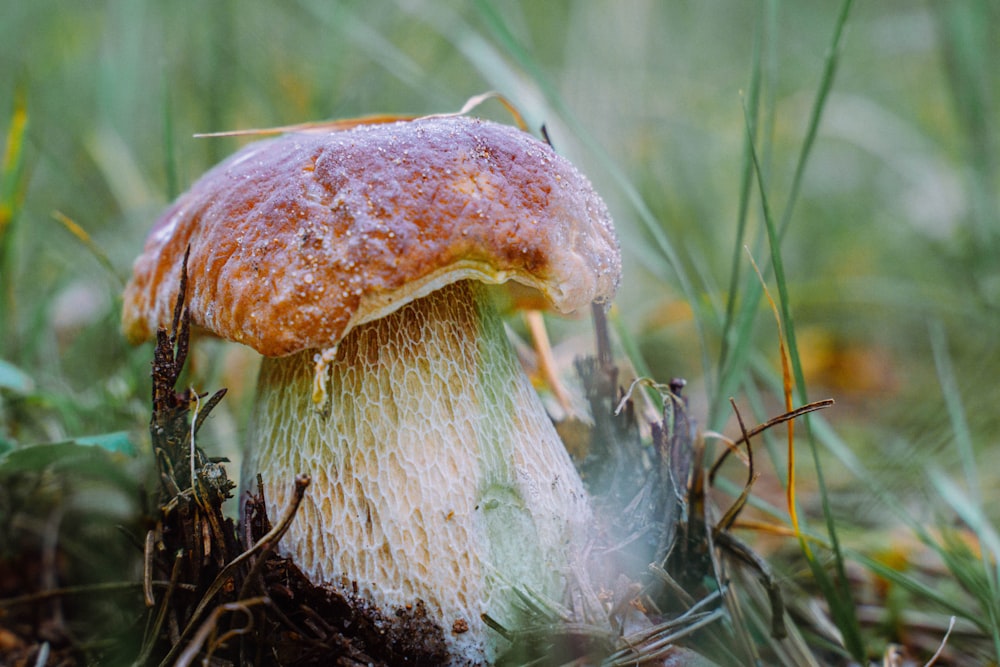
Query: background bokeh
[[896, 227], [891, 255]]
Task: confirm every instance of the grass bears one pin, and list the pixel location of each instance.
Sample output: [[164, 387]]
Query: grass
[[851, 147], [836, 589], [12, 182]]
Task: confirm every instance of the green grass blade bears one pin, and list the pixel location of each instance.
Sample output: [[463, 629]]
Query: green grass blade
[[967, 33], [911, 584], [819, 104], [746, 185], [169, 154], [735, 363], [953, 403], [838, 592]]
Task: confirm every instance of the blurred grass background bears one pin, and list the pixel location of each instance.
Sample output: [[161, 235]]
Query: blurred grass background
[[891, 257]]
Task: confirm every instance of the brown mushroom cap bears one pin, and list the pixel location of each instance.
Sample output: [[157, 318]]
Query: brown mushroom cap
[[296, 240]]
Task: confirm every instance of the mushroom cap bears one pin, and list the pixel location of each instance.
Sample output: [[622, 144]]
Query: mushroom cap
[[296, 240]]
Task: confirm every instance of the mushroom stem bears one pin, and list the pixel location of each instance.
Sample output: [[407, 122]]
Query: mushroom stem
[[437, 475]]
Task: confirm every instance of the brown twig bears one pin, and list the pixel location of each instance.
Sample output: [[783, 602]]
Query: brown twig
[[727, 520], [774, 421], [211, 624]]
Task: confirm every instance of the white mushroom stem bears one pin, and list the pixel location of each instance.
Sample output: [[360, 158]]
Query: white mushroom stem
[[437, 475]]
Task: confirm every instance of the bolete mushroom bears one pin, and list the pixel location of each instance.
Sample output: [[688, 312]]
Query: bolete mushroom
[[358, 262]]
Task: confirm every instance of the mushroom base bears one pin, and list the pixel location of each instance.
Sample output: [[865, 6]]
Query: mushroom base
[[437, 475]]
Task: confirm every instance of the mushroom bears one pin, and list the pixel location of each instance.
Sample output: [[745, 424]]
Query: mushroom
[[360, 262]]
